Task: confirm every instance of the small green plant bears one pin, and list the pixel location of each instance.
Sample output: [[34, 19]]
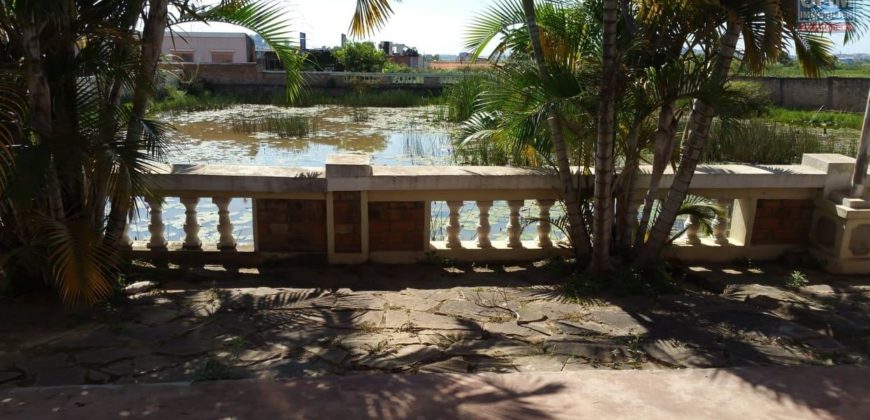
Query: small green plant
[[796, 280], [580, 285], [360, 114], [654, 280], [213, 370], [281, 125], [461, 98], [763, 141]]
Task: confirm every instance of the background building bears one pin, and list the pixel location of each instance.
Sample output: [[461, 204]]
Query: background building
[[209, 47]]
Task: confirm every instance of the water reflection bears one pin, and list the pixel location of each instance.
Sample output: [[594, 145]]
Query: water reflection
[[250, 135]]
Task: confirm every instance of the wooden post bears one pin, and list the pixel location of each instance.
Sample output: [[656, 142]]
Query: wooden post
[[860, 175]]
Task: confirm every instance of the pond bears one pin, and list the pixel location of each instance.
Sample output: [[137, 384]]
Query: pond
[[262, 135], [303, 137]]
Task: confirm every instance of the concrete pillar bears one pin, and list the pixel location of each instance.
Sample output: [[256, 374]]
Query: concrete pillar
[[483, 226], [225, 227], [839, 170], [515, 229], [347, 205], [156, 227], [544, 225], [191, 225], [742, 221], [454, 229]]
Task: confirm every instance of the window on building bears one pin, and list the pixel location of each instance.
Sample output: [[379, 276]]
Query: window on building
[[182, 56], [222, 57]]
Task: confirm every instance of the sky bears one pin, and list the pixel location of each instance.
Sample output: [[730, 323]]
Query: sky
[[432, 26]]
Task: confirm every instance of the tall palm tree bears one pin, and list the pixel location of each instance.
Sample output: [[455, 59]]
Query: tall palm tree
[[765, 27], [604, 145], [570, 191], [69, 145]]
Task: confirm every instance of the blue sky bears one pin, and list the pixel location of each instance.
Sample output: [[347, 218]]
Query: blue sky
[[433, 26]]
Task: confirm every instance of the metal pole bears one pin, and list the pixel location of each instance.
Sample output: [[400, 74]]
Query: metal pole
[[863, 159]]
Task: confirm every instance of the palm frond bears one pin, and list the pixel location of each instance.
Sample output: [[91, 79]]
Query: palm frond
[[499, 19], [370, 16], [703, 209], [13, 110], [83, 267]]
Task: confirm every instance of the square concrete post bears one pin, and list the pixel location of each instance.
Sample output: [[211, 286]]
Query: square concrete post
[[839, 170], [743, 221], [840, 232], [347, 223]]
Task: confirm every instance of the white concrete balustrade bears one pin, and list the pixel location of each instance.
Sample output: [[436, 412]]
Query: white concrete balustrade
[[192, 227], [738, 189]]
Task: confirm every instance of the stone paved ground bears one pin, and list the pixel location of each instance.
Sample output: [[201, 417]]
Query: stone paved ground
[[311, 322]]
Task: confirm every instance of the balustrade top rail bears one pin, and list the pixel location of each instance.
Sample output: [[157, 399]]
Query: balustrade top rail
[[254, 180]]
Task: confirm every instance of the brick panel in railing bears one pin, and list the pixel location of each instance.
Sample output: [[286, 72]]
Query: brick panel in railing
[[397, 226], [779, 222], [291, 226]]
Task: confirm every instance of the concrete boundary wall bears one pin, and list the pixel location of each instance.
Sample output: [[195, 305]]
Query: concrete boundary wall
[[831, 93], [247, 76]]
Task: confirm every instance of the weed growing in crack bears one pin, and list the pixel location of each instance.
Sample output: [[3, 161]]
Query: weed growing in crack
[[213, 370], [796, 280]]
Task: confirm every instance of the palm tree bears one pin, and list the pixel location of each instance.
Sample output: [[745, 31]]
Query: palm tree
[[604, 146], [676, 51], [765, 28], [571, 193], [70, 145]]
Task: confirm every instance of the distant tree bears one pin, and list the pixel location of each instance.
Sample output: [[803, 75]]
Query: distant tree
[[361, 57]]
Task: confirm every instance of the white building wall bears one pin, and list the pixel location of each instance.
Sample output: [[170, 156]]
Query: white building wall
[[203, 44]]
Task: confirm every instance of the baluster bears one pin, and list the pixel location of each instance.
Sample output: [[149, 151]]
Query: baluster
[[191, 225], [514, 228], [225, 227], [157, 228], [720, 224], [126, 243], [693, 225], [453, 227], [544, 226], [483, 226]]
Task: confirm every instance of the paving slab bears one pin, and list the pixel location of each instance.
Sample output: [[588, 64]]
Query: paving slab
[[740, 393]]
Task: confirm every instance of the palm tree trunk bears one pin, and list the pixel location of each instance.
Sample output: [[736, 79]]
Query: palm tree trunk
[[152, 44], [571, 193], [702, 118], [39, 106], [603, 216], [625, 220], [121, 51], [664, 147], [858, 178]]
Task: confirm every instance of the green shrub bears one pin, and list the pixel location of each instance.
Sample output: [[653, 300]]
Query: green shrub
[[656, 279], [819, 119], [213, 370], [281, 125], [361, 57], [461, 98], [763, 142], [796, 280]]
